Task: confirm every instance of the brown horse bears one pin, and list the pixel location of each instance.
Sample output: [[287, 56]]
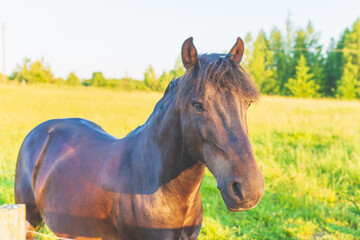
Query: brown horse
[[85, 183]]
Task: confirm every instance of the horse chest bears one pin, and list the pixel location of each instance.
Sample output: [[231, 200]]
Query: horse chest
[[160, 217], [154, 211]]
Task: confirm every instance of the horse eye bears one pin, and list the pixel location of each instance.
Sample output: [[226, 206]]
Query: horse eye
[[198, 106]]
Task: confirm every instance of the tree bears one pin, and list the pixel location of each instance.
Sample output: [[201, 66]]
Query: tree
[[248, 49], [307, 45], [349, 84], [72, 79], [150, 79], [333, 66], [281, 59], [260, 61], [164, 80], [315, 57], [302, 85], [22, 72], [41, 72], [98, 79], [300, 47], [178, 70], [33, 72]]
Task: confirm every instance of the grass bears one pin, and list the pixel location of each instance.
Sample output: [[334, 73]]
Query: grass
[[308, 150]]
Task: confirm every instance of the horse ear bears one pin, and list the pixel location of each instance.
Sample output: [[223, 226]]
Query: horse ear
[[189, 54], [237, 50]]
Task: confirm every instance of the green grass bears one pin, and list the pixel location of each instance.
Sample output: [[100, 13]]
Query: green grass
[[308, 150]]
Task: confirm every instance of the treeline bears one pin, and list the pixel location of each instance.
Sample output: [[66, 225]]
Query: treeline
[[39, 72], [293, 63]]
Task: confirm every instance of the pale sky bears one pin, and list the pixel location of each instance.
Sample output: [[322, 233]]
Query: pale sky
[[121, 38]]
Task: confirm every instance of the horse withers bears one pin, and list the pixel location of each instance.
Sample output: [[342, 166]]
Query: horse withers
[[85, 183]]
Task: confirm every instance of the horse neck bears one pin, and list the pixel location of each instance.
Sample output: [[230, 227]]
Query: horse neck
[[164, 146]]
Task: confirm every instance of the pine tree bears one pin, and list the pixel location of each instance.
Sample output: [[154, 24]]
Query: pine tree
[[349, 84], [260, 61], [334, 65], [307, 45], [302, 85], [248, 49], [280, 61]]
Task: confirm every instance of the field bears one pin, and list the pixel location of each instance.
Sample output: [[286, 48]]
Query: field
[[308, 150]]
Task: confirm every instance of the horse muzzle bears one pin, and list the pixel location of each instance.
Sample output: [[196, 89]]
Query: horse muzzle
[[240, 195]]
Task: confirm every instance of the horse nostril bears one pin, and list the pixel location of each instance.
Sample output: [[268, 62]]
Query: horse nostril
[[237, 190]]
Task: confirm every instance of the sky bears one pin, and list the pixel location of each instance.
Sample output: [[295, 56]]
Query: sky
[[122, 38]]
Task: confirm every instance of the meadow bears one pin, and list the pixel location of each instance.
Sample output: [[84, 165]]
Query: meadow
[[307, 149]]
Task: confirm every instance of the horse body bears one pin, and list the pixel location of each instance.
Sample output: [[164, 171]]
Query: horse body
[[117, 193], [85, 183]]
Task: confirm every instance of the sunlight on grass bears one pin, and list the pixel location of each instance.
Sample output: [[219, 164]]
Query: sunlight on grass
[[308, 151]]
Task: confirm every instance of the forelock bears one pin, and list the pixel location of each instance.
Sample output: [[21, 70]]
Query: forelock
[[223, 74]]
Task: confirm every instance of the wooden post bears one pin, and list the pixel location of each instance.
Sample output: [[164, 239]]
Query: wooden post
[[12, 222]]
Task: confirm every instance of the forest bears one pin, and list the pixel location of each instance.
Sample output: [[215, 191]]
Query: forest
[[290, 63]]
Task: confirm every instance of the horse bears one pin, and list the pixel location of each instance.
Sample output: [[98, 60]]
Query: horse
[[87, 184]]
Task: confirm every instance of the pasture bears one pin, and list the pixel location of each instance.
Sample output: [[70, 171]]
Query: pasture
[[308, 151]]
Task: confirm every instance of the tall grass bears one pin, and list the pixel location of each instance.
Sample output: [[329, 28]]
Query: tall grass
[[308, 150]]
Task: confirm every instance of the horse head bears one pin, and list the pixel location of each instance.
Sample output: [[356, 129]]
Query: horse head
[[214, 95]]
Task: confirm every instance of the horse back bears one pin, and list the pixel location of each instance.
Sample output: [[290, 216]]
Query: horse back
[[62, 170]]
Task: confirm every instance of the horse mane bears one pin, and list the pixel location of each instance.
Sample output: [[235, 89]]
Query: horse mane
[[223, 73]]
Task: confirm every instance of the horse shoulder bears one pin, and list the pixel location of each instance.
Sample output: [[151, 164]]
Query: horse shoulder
[[65, 147]]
